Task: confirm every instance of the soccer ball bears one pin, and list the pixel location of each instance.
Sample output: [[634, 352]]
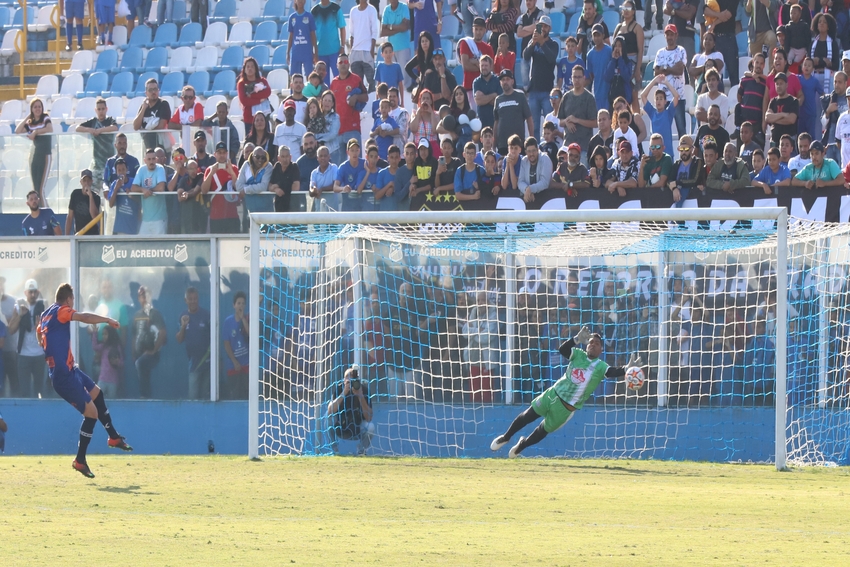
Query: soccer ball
[[635, 378]]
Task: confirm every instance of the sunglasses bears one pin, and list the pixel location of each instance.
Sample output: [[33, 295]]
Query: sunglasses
[[655, 147], [554, 98], [684, 148], [439, 52], [188, 97]]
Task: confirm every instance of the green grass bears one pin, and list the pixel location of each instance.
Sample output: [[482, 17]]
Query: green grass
[[345, 511]]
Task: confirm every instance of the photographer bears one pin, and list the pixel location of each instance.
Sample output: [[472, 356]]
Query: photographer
[[351, 412]]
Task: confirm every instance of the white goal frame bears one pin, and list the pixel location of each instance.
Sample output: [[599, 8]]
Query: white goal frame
[[778, 214]]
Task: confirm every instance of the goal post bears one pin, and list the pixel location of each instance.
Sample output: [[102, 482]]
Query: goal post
[[454, 319]]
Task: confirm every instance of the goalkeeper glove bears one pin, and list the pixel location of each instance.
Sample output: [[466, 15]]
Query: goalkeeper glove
[[634, 360], [583, 336]]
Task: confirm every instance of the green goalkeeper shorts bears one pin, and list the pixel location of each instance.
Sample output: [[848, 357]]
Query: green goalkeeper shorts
[[550, 407]]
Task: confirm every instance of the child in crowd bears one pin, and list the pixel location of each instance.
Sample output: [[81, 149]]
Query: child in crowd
[[550, 144], [384, 129], [314, 87], [505, 58], [799, 36], [810, 108], [389, 72], [566, 64], [662, 114], [487, 141], [758, 163], [382, 92]]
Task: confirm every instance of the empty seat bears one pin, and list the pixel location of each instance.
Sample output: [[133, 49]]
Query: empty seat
[[42, 20], [232, 58], [206, 58], [278, 60], [572, 27], [189, 34], [47, 88], [179, 59], [119, 35], [140, 37], [62, 108], [216, 35], [611, 19], [656, 44], [11, 111], [122, 83], [156, 59], [172, 84], [240, 33], [224, 10], [200, 81], [7, 48], [166, 35], [250, 9], [235, 111], [223, 84], [265, 34], [71, 85], [130, 61], [559, 23], [180, 14], [85, 109], [115, 106], [82, 62], [278, 79], [261, 54], [274, 11], [96, 84]]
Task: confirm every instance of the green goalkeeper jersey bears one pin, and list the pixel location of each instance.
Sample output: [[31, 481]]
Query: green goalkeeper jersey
[[581, 378]]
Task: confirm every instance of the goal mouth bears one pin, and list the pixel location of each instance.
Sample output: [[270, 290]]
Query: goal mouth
[[454, 320]]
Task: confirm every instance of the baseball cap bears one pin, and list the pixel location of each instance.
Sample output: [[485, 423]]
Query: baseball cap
[[31, 285], [479, 22], [563, 150], [816, 145], [544, 19], [781, 29], [289, 104], [780, 77], [200, 134], [220, 146], [597, 28], [625, 145], [352, 142], [506, 73], [671, 28], [85, 173], [440, 52], [575, 147], [423, 143], [846, 56]]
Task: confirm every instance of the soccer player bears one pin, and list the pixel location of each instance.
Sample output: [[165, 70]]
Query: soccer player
[[558, 404], [71, 383]]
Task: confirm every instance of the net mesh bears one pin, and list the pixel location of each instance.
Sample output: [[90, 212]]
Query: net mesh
[[456, 328]]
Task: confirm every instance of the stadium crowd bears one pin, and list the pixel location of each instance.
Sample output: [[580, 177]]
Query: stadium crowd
[[518, 115]]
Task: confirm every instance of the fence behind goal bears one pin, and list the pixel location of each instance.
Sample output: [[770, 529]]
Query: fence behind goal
[[456, 327]]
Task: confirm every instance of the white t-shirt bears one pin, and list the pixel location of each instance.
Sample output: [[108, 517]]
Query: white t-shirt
[[797, 163], [290, 136], [700, 58], [704, 101], [629, 136], [668, 58], [402, 118], [300, 110], [364, 27], [842, 134]]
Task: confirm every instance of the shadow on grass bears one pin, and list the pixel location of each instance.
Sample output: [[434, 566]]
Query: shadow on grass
[[132, 489]]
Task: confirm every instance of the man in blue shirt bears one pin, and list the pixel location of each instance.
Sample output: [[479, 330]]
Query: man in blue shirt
[[369, 179], [301, 51], [597, 61], [330, 35], [195, 332], [349, 176], [40, 222], [395, 26], [401, 183], [776, 174], [485, 88], [385, 195], [234, 333], [149, 180], [663, 113]]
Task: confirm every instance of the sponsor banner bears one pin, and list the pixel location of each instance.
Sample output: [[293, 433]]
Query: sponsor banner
[[236, 253], [34, 254], [827, 204], [155, 253]]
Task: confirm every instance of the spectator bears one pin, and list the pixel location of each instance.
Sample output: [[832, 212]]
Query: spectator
[[671, 62], [131, 162], [687, 173], [384, 130], [604, 137], [682, 15], [368, 179], [571, 175], [348, 88], [525, 28], [786, 148], [439, 80], [40, 221], [153, 114], [709, 59], [622, 132], [296, 86], [308, 160], [724, 35], [512, 113], [349, 176], [384, 190], [834, 105], [193, 211], [782, 111], [780, 65], [535, 170], [190, 114], [487, 144], [471, 50], [798, 35], [597, 62], [199, 12], [235, 333], [761, 31], [74, 11], [290, 132], [712, 97], [578, 111], [100, 128], [219, 178], [713, 131], [512, 164], [149, 336], [424, 178], [425, 121], [618, 73], [322, 180], [625, 169], [83, 207], [401, 117], [39, 130], [389, 72], [803, 158], [486, 89], [253, 181], [566, 64], [747, 146], [32, 368], [201, 156], [362, 40], [350, 412], [774, 175], [221, 121], [149, 180], [402, 180], [503, 20], [127, 211], [395, 26], [422, 61], [589, 19], [110, 358], [662, 113], [810, 109], [284, 179], [822, 172], [302, 51], [758, 163], [555, 96], [729, 174], [842, 133], [551, 143], [195, 332], [11, 317], [505, 58], [105, 10], [254, 91], [330, 34], [542, 53], [162, 159], [656, 167], [261, 134], [751, 99], [426, 16], [330, 136]]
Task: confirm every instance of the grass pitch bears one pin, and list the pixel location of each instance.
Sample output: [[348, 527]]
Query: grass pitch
[[375, 511]]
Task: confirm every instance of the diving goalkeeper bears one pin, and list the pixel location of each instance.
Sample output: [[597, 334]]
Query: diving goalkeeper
[[557, 404]]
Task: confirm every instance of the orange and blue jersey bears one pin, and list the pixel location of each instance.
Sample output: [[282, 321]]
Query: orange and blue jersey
[[55, 332]]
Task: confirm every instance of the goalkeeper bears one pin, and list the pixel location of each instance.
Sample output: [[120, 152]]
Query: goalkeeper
[[558, 404]]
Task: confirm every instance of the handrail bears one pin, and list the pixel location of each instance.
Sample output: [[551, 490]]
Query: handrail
[[93, 222]]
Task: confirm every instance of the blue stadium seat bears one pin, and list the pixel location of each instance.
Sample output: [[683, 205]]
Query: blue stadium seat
[[224, 84], [166, 36], [95, 85], [448, 48], [157, 58], [458, 74], [131, 60], [347, 5], [140, 37], [611, 19], [172, 84], [140, 83], [224, 10], [743, 44], [122, 83], [278, 60], [274, 11], [189, 34], [265, 34], [648, 73], [232, 58], [200, 81], [559, 23], [261, 53], [107, 61], [180, 14], [5, 16], [572, 28]]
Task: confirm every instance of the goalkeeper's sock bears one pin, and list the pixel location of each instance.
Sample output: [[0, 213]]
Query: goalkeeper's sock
[[536, 436], [80, 35], [86, 430], [104, 417], [69, 32], [523, 419]]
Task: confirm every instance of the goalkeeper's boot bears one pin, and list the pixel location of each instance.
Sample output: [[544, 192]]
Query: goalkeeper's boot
[[83, 469], [498, 443], [514, 452], [118, 443]]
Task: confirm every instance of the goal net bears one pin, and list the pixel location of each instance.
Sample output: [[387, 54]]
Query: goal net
[[455, 322]]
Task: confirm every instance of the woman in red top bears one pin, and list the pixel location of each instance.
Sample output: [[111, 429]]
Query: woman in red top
[[254, 91]]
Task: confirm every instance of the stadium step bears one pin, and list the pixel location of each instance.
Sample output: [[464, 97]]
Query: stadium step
[[88, 43], [12, 92]]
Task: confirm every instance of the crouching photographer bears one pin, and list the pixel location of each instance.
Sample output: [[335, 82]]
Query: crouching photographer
[[350, 413]]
